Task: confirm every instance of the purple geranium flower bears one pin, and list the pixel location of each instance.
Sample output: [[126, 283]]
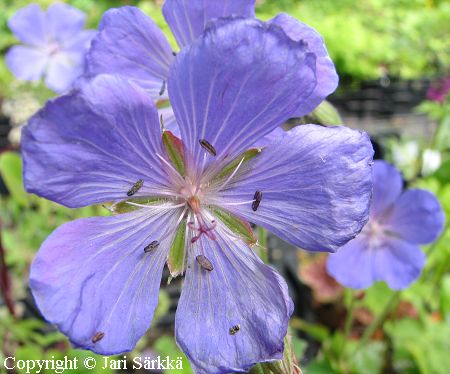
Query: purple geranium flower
[[130, 44], [387, 248], [188, 202], [54, 45]]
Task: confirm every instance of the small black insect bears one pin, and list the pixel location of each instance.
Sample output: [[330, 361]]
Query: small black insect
[[97, 337], [256, 200], [153, 245], [234, 329], [204, 263], [163, 88], [208, 147], [174, 53], [135, 188]]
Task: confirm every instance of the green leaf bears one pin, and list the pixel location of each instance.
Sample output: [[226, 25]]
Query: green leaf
[[175, 150], [175, 260], [166, 346], [243, 158], [236, 225], [326, 114], [445, 298], [368, 359], [11, 171]]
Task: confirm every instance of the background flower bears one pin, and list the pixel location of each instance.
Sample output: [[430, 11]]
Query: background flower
[[387, 248], [54, 45]]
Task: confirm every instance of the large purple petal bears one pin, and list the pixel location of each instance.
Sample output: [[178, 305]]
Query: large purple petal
[[387, 187], [130, 44], [327, 78], [352, 265], [316, 184], [27, 63], [236, 83], [397, 262], [64, 21], [92, 276], [92, 145], [62, 71], [416, 216], [29, 25], [188, 18], [241, 290]]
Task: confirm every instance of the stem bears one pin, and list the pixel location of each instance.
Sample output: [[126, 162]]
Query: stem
[[262, 241], [5, 283], [348, 325], [379, 320]]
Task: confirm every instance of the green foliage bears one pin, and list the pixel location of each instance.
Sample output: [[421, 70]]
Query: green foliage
[[420, 344], [408, 38]]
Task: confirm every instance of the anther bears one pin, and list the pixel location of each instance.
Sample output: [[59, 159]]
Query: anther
[[97, 337], [256, 200], [208, 147], [204, 263], [234, 329], [153, 245], [135, 188], [163, 88]]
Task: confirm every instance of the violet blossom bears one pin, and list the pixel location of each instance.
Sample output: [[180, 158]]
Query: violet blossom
[[54, 45], [188, 202], [130, 44], [387, 249]]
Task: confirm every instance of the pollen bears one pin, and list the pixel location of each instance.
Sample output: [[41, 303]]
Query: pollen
[[135, 188], [163, 88], [153, 245], [204, 263], [256, 200], [208, 147], [97, 337], [234, 329]]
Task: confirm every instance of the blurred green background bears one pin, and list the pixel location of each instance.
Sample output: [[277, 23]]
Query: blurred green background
[[384, 51]]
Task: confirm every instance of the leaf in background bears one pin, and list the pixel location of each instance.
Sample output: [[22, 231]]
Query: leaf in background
[[326, 114], [420, 345], [11, 172], [166, 346], [445, 299], [376, 297], [368, 359]]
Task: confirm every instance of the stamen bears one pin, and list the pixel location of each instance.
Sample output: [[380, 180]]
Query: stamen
[[153, 245], [97, 337], [162, 207], [218, 202], [256, 200], [234, 329], [161, 122], [232, 175], [172, 169], [135, 188], [163, 88], [208, 147], [204, 263]]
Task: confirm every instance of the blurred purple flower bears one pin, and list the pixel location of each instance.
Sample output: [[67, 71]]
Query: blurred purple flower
[[54, 45], [387, 248], [97, 279], [439, 91], [130, 44]]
